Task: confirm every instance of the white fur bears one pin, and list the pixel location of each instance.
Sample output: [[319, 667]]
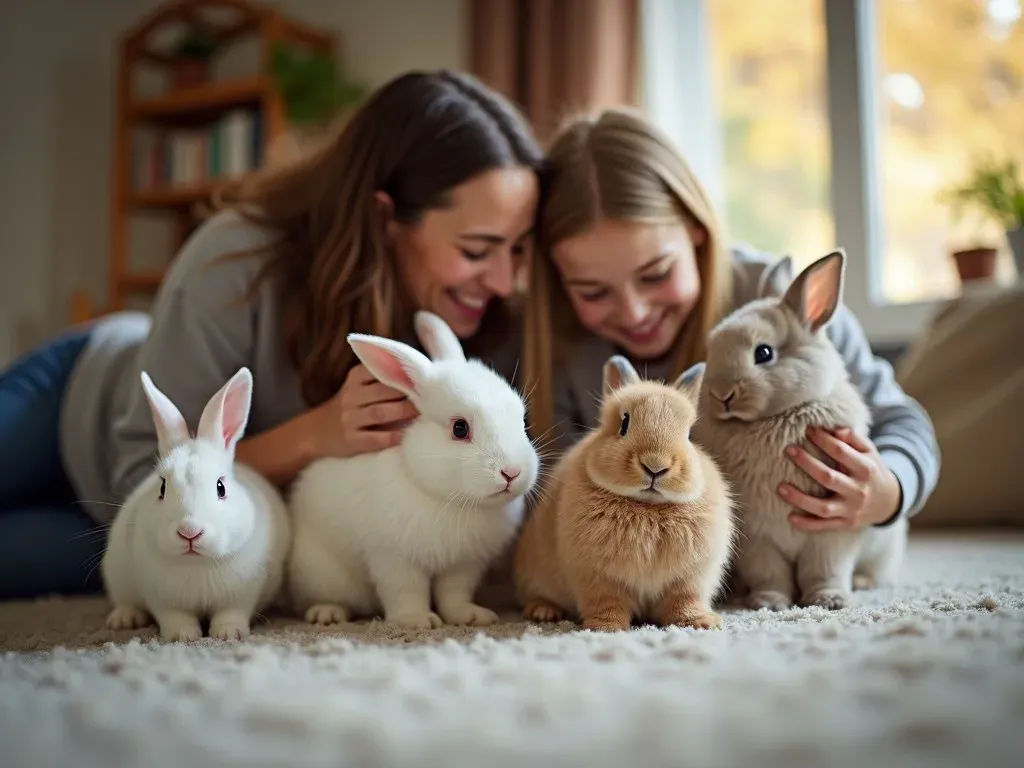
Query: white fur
[[384, 531], [244, 539], [774, 403]]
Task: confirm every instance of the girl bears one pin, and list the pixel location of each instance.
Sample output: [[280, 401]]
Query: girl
[[425, 199], [630, 259]]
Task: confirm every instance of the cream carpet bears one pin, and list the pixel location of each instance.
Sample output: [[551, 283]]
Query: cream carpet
[[929, 675]]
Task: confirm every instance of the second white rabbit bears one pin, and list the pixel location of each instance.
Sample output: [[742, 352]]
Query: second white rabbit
[[411, 530]]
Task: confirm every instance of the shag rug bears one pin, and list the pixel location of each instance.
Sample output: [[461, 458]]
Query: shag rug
[[931, 674]]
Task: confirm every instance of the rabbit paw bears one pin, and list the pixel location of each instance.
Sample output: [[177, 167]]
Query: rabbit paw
[[127, 617], [773, 601], [425, 620], [697, 620], [181, 630], [468, 614], [229, 628], [829, 599], [326, 613], [603, 624], [542, 610]]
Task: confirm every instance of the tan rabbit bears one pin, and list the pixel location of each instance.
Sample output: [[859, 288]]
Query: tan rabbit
[[636, 521], [771, 373]]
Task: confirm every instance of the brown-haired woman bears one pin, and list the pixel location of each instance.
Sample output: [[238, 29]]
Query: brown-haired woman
[[631, 259], [424, 199]]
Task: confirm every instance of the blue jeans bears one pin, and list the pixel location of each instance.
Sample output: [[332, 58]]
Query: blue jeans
[[48, 544]]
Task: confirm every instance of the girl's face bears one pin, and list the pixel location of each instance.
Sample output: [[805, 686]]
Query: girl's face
[[455, 260], [633, 284]]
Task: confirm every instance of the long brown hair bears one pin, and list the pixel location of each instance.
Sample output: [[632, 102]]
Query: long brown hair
[[615, 166], [416, 138]]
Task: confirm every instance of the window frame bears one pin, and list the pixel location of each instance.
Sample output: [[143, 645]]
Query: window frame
[[678, 94]]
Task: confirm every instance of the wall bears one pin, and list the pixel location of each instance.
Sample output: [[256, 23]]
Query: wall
[[56, 84]]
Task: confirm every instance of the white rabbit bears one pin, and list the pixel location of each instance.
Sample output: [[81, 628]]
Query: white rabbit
[[202, 536], [386, 531], [771, 373]]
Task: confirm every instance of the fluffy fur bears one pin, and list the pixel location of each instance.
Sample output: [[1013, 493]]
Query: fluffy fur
[[380, 532], [753, 404], [636, 522], [201, 537]]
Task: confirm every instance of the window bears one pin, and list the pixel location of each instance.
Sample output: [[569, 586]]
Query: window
[[769, 72], [838, 122], [951, 77]]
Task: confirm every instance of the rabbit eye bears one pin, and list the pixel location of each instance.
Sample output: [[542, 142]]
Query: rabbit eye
[[624, 427], [221, 490], [163, 488], [763, 354], [460, 429]]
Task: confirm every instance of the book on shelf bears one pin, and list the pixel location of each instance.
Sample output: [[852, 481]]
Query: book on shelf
[[192, 157]]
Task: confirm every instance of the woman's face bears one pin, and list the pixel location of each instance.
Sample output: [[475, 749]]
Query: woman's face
[[455, 260], [632, 284]]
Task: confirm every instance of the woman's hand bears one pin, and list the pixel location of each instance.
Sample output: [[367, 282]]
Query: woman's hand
[[363, 417], [864, 491]]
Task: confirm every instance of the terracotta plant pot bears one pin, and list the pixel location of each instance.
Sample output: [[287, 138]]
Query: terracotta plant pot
[[976, 264], [188, 73]]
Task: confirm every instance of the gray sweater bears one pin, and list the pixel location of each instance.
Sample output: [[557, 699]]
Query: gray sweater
[[902, 430], [199, 331]]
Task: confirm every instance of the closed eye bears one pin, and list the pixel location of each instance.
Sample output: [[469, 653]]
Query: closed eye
[[656, 279], [594, 295]]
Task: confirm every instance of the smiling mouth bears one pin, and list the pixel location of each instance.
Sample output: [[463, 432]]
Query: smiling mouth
[[646, 331], [471, 306]]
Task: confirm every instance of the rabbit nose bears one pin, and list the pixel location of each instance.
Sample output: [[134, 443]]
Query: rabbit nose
[[649, 464], [189, 532], [725, 400], [510, 474]]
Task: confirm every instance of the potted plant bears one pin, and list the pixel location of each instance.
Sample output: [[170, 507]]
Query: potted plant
[[314, 91], [191, 58], [995, 190]]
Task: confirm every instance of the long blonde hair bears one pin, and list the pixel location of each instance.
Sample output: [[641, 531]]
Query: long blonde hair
[[614, 166]]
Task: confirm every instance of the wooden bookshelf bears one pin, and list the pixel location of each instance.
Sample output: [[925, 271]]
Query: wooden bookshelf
[[201, 112]]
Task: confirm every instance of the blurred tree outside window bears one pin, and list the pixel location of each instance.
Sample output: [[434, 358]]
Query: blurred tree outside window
[[951, 89]]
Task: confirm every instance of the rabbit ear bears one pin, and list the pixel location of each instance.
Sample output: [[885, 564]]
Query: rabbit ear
[[393, 363], [171, 429], [817, 291], [439, 340], [226, 414], [689, 382], [618, 372], [776, 278]]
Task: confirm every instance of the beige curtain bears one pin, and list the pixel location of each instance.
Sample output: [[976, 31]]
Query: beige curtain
[[555, 57]]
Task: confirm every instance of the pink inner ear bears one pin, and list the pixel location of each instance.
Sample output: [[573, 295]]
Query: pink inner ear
[[233, 414], [819, 294], [388, 365]]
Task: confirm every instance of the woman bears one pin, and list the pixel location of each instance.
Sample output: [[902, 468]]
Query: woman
[[425, 199], [630, 259]]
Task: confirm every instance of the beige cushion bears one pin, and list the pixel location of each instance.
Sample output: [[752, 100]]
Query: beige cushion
[[967, 370]]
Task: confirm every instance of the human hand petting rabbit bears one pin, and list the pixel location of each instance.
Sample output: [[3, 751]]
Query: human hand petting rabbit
[[365, 416], [864, 490]]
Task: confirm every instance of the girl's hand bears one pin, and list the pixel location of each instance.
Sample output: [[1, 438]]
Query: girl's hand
[[864, 490], [363, 417]]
